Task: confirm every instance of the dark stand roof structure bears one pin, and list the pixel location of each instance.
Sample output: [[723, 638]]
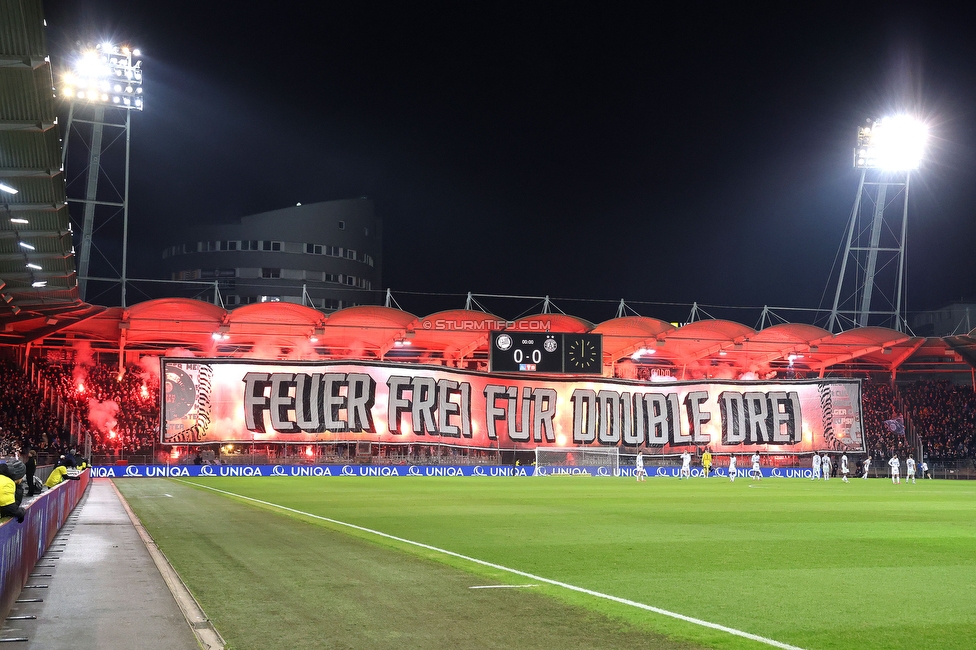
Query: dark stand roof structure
[[38, 280]]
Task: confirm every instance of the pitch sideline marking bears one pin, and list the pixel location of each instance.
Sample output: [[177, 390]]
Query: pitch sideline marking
[[502, 586], [596, 594]]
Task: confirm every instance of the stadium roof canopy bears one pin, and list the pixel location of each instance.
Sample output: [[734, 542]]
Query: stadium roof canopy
[[38, 281], [635, 347]]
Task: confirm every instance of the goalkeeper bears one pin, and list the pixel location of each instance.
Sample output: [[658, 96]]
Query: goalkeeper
[[639, 466], [706, 463]]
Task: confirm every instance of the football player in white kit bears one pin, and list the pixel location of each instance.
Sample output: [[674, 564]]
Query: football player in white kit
[[816, 467], [867, 466], [825, 466], [910, 473], [732, 470], [639, 467], [685, 466], [755, 473], [895, 466], [843, 467]]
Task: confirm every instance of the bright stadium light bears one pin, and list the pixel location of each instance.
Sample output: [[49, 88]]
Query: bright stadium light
[[888, 151], [106, 75], [895, 143], [6, 188]]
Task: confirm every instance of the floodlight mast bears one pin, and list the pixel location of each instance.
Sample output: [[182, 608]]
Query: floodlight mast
[[104, 80], [888, 151]]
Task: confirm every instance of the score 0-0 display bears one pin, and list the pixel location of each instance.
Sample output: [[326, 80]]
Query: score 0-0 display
[[546, 352]]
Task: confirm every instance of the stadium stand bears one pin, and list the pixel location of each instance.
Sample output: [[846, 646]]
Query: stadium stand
[[944, 416], [941, 415], [25, 420]]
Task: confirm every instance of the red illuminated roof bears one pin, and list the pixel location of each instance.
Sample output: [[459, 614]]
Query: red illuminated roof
[[703, 349]]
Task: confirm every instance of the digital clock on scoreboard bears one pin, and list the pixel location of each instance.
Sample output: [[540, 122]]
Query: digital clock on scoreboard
[[546, 352]]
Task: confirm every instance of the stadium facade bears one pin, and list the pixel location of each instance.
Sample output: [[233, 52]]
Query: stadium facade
[[326, 255], [950, 320]]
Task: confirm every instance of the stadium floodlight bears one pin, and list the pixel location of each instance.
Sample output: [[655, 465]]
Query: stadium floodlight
[[39, 284], [34, 266], [888, 151], [6, 188], [105, 75], [895, 143], [16, 220], [24, 244]]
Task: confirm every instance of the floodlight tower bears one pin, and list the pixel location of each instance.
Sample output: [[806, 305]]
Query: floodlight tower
[[103, 86], [871, 285]]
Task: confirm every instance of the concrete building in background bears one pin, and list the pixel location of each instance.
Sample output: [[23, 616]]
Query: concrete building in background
[[326, 255], [952, 320]]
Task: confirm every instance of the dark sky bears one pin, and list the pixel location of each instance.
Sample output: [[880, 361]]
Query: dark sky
[[579, 150]]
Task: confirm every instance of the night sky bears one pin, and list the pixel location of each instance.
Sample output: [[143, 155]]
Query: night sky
[[577, 150]]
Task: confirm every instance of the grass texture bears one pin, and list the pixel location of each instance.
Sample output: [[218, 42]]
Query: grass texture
[[818, 565]]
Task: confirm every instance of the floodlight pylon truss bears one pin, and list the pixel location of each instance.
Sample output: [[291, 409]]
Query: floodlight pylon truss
[[871, 284]]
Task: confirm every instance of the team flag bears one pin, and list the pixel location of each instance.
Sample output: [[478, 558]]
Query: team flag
[[896, 426]]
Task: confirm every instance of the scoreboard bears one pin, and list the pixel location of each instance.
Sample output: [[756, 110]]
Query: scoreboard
[[546, 353]]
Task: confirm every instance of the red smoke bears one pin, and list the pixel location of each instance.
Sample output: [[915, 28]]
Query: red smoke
[[102, 416]]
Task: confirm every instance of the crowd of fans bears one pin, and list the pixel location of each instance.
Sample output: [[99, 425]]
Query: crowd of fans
[[944, 416], [878, 406], [941, 415], [120, 411], [26, 421]]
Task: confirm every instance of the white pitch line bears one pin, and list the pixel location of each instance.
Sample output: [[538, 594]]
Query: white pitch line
[[596, 594], [502, 586]]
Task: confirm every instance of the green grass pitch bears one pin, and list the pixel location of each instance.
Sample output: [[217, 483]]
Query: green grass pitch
[[814, 565]]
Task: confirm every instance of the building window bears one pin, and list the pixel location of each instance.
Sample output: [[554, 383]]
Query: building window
[[350, 254], [271, 273], [331, 277], [330, 303], [342, 225], [211, 245], [350, 280]]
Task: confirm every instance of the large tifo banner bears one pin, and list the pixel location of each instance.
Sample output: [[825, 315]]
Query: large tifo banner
[[226, 400]]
